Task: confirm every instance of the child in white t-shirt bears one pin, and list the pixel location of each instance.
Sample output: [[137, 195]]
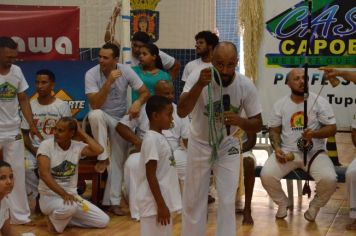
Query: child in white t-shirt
[[158, 189], [6, 186]]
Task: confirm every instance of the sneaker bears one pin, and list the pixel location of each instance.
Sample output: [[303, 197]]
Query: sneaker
[[311, 213], [282, 212]]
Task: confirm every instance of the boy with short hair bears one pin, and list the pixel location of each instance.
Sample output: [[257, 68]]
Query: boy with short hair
[[158, 189]]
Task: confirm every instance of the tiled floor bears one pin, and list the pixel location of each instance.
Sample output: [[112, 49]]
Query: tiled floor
[[331, 220]]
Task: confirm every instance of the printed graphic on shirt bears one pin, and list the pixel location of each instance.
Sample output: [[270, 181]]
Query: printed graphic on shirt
[[7, 92], [233, 151], [218, 109], [297, 121], [64, 171]]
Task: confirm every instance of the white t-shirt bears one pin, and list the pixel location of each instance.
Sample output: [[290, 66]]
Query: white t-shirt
[[10, 85], [45, 118], [155, 147], [243, 96], [196, 64], [116, 101], [64, 165], [4, 211], [178, 130], [290, 116], [167, 60]]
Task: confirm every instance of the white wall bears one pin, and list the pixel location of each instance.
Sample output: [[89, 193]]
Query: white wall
[[180, 20]]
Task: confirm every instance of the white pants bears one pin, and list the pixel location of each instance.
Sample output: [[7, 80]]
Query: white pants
[[131, 170], [14, 154], [351, 187], [322, 170], [196, 187], [150, 227], [103, 127], [62, 214]]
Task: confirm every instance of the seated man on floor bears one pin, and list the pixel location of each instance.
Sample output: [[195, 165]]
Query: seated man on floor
[[58, 160], [177, 133], [287, 136]]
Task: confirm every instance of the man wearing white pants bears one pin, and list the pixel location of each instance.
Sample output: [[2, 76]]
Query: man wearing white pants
[[178, 132], [106, 88], [286, 131], [211, 145], [351, 183], [12, 94]]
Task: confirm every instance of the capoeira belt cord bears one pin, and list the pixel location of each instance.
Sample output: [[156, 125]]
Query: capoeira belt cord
[[80, 201], [215, 135], [306, 187]]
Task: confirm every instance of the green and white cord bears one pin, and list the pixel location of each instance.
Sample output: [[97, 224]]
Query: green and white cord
[[215, 136]]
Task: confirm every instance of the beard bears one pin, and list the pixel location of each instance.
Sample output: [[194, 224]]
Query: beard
[[297, 93], [226, 82]]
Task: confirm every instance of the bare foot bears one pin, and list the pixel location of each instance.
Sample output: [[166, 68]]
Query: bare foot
[[247, 220], [101, 165], [50, 226], [351, 226]]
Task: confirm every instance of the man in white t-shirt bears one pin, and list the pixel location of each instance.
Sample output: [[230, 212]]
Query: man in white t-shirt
[[178, 132], [106, 88], [12, 94], [58, 160], [205, 42], [287, 135], [47, 110], [215, 101]]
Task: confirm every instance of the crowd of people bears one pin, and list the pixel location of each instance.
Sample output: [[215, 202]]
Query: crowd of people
[[158, 155]]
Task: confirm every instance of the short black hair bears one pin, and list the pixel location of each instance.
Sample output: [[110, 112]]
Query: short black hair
[[7, 42], [141, 37], [156, 104], [209, 37], [72, 123], [4, 164], [49, 73], [115, 49]]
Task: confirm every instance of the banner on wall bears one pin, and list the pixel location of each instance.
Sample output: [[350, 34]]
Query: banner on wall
[[42, 32], [144, 18], [333, 44], [69, 84]]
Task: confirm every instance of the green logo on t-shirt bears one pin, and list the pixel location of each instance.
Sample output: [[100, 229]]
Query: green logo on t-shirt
[[64, 170], [7, 91]]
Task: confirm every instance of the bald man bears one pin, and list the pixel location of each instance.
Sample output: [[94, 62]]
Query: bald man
[[178, 132], [228, 95], [286, 130]]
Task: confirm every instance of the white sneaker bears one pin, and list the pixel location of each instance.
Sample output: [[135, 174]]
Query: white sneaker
[[311, 213], [282, 212]]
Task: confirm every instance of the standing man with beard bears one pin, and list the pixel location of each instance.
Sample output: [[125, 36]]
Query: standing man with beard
[[12, 94], [204, 47], [47, 110], [215, 106], [286, 130]]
